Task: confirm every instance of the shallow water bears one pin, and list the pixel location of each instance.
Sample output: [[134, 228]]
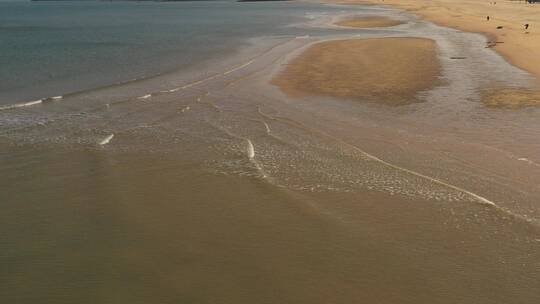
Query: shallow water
[[54, 48], [209, 185]]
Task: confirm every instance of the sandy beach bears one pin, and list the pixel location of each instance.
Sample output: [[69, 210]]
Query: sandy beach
[[363, 69], [518, 45], [510, 28]]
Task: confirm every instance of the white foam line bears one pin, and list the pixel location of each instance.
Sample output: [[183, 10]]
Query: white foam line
[[250, 149], [267, 127], [238, 68], [528, 161], [21, 105], [28, 104], [477, 197], [434, 180], [106, 140], [191, 84], [251, 155], [145, 96], [54, 98], [198, 82]]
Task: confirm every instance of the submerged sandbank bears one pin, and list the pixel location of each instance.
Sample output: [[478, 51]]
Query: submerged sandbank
[[368, 22], [363, 69]]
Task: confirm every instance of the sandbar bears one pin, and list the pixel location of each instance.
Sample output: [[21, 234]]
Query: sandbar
[[363, 70]]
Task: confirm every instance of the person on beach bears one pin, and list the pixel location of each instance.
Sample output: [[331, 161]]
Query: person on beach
[[526, 26], [487, 18]]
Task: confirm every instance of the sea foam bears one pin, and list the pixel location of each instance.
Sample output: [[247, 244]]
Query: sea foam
[[106, 140], [21, 105], [250, 149]]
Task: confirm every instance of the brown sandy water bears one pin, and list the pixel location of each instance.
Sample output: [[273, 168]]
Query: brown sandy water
[[220, 188]]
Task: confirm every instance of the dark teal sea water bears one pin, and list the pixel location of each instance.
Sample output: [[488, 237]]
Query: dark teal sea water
[[52, 48]]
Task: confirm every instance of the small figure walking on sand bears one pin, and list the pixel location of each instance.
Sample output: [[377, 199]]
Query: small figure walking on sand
[[526, 26], [487, 18]]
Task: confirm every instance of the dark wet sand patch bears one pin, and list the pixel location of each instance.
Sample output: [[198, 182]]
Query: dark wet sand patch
[[387, 70]]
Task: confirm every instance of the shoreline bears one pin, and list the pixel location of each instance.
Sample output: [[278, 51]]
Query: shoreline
[[161, 83], [515, 45]]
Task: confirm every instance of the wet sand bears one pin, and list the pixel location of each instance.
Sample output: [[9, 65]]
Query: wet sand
[[511, 98], [387, 70], [368, 22], [518, 45], [505, 32]]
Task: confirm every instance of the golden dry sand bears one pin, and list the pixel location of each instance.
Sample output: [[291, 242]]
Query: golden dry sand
[[511, 97], [518, 45], [521, 47], [363, 69], [368, 22]]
